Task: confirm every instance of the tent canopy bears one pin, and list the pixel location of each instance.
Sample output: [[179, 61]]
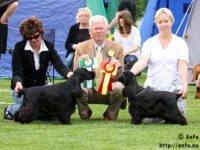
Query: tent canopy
[[59, 15], [54, 15], [191, 36], [178, 8]]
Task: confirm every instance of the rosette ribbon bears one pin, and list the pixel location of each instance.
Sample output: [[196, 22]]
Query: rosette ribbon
[[106, 83], [111, 54], [88, 64]]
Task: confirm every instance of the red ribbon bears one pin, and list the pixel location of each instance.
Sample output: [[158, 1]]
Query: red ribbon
[[104, 67]]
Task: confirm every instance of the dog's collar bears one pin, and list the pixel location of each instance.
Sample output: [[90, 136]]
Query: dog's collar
[[140, 93]]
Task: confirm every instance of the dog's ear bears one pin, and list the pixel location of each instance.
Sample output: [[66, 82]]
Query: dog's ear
[[124, 92], [77, 91], [194, 75]]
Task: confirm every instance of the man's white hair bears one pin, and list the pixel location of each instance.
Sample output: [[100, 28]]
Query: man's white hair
[[97, 18]]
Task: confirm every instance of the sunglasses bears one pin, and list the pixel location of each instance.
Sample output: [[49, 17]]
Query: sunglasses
[[33, 37]]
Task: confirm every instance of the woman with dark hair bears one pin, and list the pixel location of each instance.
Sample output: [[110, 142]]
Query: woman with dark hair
[[129, 37], [30, 61], [123, 5]]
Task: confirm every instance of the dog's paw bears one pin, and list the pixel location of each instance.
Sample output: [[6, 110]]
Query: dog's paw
[[135, 122], [182, 121]]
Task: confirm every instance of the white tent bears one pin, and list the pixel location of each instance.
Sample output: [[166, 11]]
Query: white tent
[[192, 36]]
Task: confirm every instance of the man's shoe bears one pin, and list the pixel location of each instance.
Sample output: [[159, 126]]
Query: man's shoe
[[87, 117], [124, 103], [7, 114], [106, 116]]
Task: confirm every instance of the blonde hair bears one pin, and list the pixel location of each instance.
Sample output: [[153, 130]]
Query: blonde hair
[[165, 11], [80, 10]]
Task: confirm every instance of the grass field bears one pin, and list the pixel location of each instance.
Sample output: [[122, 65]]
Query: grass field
[[97, 134]]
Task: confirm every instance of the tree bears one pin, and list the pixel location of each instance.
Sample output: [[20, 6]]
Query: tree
[[140, 8]]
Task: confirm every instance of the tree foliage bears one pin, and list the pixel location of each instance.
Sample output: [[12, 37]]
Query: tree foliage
[[140, 8]]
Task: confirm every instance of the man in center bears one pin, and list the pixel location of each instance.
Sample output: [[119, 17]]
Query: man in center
[[97, 47]]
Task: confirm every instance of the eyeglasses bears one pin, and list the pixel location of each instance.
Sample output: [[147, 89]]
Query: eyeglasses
[[33, 37], [99, 29], [84, 16]]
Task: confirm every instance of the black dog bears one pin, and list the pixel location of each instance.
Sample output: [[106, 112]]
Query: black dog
[[56, 100], [147, 103]]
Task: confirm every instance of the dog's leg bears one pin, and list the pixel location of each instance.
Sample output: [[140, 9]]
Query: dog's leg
[[194, 72], [131, 109], [197, 95], [65, 117], [181, 120], [16, 116], [136, 119], [175, 118], [26, 114]]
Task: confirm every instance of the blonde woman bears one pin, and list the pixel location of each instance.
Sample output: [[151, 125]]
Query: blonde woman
[[167, 58], [77, 33]]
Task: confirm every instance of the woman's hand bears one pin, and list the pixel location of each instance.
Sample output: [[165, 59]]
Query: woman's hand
[[18, 86], [69, 74], [184, 90], [3, 20]]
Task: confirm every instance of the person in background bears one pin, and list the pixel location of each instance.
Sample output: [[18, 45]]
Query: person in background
[[98, 47], [30, 60], [7, 8], [123, 5], [166, 56], [129, 37], [77, 33]]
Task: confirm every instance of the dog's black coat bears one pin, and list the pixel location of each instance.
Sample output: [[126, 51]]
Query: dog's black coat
[[56, 100], [147, 103]]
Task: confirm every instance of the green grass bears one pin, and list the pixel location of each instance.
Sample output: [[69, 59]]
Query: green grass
[[97, 134]]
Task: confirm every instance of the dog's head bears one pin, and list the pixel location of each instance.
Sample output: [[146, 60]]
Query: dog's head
[[84, 74], [79, 76], [127, 78]]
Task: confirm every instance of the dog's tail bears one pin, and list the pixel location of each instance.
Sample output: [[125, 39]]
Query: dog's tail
[[178, 95], [21, 92]]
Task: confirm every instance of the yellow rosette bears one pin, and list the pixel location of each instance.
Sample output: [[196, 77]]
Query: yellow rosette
[[111, 54]]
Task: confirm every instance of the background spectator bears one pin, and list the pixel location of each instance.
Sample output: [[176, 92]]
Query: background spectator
[[77, 33], [123, 5], [7, 8], [129, 37]]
